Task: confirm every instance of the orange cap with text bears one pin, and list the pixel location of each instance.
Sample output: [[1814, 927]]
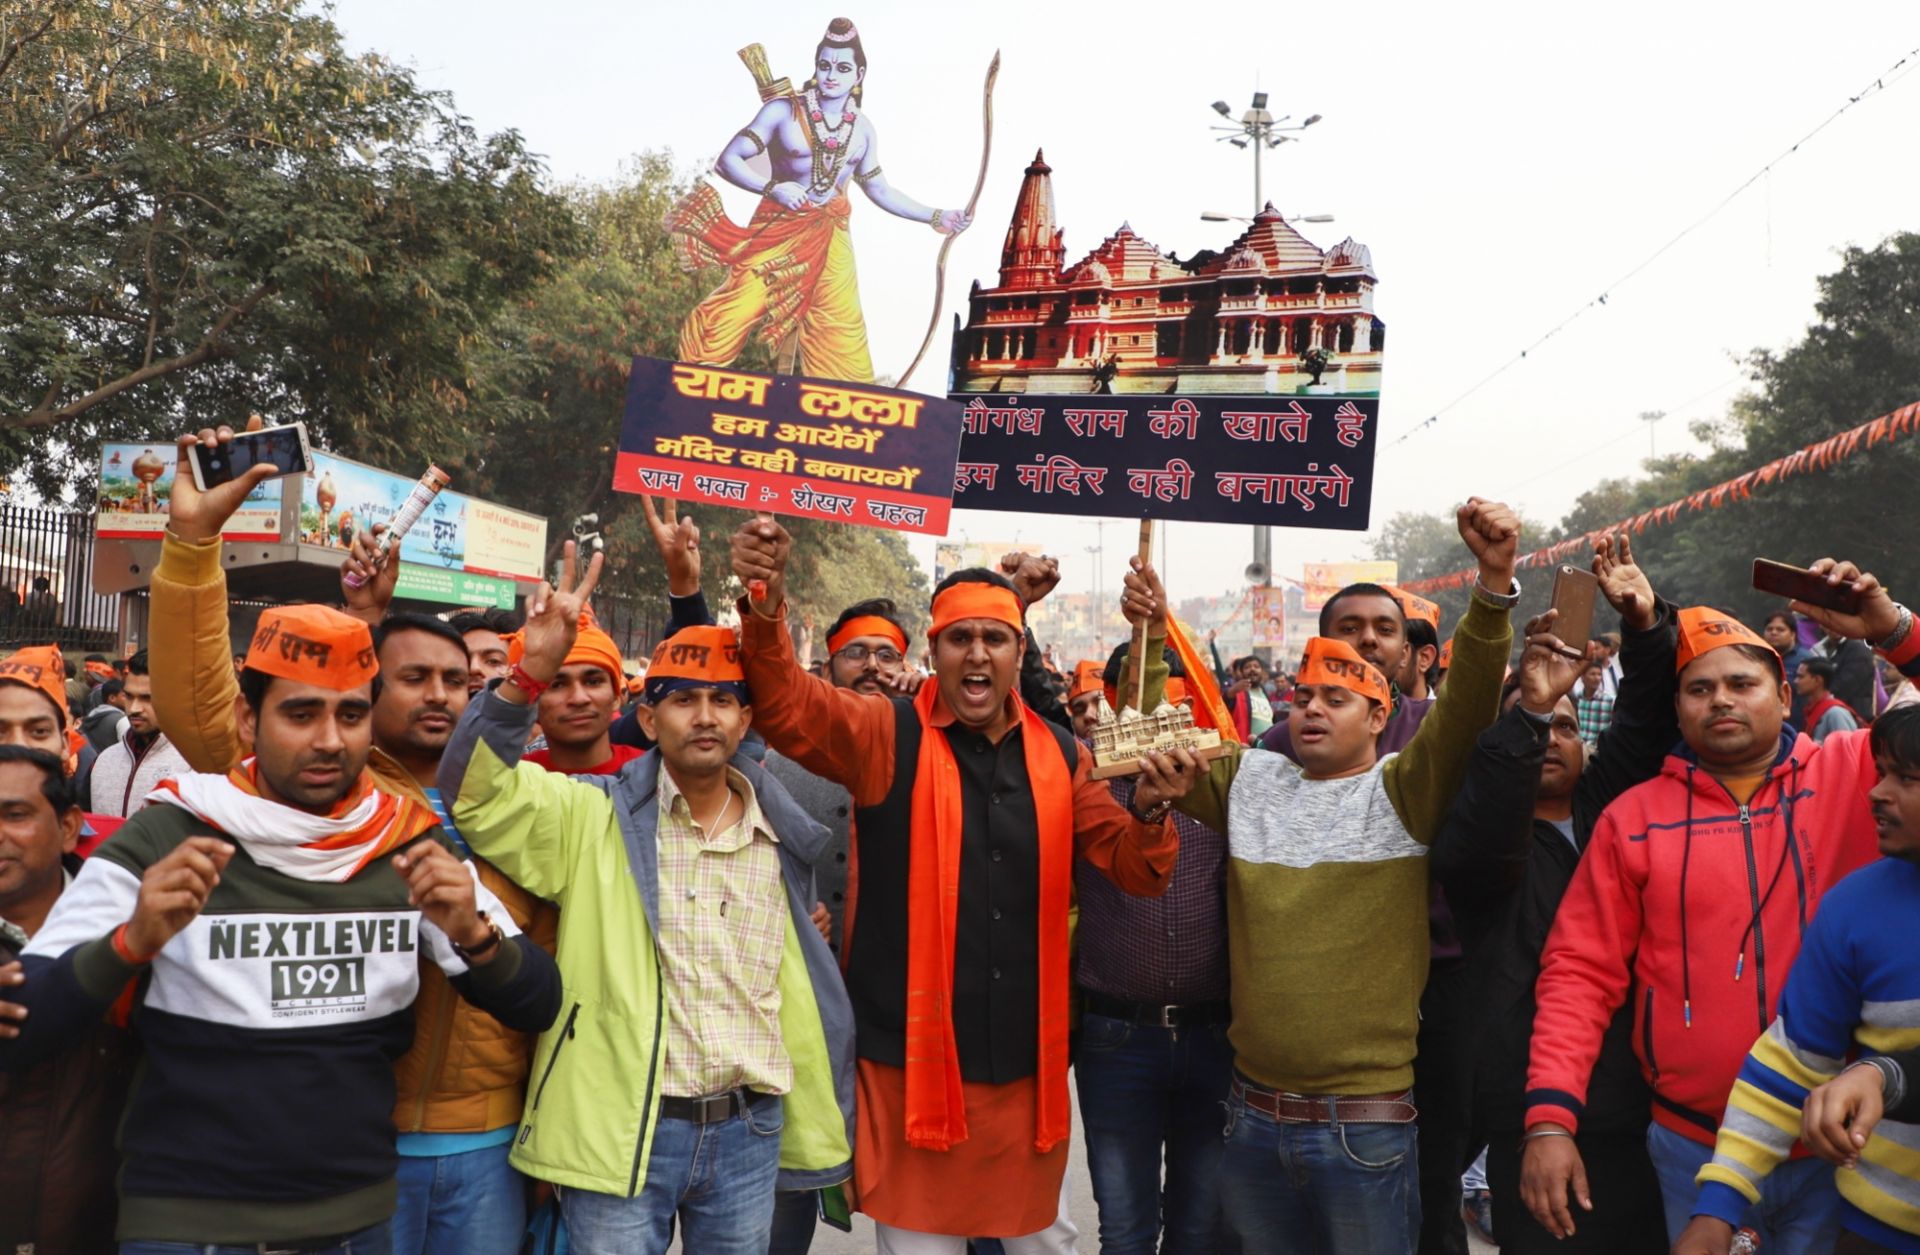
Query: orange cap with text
[[41, 668], [1415, 606], [1087, 678], [1703, 629], [1329, 661], [314, 645], [697, 657]]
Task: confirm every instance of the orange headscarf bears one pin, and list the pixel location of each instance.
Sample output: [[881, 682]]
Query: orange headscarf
[[1702, 629], [1335, 662], [42, 669], [1086, 678], [314, 645], [591, 648]]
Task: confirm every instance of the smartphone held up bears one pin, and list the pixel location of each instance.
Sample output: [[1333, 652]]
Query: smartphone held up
[[1575, 590], [1800, 584], [284, 448]]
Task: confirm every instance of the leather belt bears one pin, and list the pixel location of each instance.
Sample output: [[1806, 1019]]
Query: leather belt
[[1156, 1015], [714, 1107], [301, 1246], [1327, 1108]]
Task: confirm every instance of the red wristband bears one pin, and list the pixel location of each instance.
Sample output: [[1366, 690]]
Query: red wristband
[[125, 951], [518, 677]]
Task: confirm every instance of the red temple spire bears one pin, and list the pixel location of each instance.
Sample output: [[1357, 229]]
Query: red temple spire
[[1033, 252]]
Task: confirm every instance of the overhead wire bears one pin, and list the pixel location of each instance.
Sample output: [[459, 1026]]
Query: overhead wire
[[1892, 74]]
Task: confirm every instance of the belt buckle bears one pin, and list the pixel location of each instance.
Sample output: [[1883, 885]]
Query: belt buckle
[[723, 1103], [1167, 1017]]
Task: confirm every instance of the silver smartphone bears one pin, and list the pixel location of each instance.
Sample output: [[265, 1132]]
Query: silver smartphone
[[284, 448]]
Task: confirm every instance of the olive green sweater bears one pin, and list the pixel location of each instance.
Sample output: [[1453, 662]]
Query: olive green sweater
[[1327, 885]]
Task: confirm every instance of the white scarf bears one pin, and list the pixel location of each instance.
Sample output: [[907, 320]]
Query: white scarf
[[276, 836]]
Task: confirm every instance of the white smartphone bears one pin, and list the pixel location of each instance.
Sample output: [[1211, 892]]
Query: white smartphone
[[284, 448]]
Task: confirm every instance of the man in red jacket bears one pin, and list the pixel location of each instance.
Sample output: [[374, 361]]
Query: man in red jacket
[[1693, 897]]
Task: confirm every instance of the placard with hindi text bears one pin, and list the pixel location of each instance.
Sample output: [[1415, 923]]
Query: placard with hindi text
[[1280, 460], [788, 444]]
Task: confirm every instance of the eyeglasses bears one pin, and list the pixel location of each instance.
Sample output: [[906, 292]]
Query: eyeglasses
[[886, 655]]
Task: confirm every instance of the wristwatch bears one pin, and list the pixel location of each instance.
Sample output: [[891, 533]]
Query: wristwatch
[[1153, 814], [494, 936]]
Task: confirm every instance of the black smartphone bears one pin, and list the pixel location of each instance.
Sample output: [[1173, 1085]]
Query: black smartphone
[[1800, 584], [834, 1212], [1574, 591], [284, 448]]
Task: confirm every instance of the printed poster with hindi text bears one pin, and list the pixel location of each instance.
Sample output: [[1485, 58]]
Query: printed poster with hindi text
[[789, 444]]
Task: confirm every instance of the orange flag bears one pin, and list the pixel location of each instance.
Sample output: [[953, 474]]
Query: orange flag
[[1209, 708]]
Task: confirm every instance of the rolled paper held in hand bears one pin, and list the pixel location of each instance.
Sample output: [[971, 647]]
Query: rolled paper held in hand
[[416, 505]]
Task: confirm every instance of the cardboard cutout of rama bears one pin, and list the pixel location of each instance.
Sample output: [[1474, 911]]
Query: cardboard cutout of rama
[[790, 269]]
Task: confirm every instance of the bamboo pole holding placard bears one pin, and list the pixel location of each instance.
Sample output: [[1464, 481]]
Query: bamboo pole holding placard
[[1139, 647]]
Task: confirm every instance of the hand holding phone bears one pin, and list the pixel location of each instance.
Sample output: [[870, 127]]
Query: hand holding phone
[[284, 448], [1574, 592], [1842, 598]]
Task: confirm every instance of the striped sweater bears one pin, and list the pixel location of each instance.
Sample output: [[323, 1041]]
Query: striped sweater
[[1327, 886], [263, 1111], [1855, 986]]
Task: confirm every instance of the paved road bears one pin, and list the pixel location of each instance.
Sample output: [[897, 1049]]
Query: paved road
[[1079, 1199]]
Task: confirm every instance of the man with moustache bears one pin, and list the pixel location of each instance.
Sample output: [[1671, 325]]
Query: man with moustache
[[1514, 836], [971, 809], [1851, 989], [705, 1059], [1730, 850]]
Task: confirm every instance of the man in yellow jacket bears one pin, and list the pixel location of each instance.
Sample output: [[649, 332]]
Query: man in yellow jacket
[[461, 1086]]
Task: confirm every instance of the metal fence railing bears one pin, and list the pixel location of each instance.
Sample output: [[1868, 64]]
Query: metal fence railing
[[46, 582]]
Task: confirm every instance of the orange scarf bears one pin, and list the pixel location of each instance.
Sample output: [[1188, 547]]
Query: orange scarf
[[936, 1109]]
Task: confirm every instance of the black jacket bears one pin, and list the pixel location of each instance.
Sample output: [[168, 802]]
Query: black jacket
[[1505, 872]]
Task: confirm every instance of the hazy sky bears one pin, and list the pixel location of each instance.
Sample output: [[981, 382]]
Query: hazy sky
[[1505, 163]]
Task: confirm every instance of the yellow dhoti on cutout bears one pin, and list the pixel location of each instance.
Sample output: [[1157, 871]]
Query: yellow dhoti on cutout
[[790, 272]]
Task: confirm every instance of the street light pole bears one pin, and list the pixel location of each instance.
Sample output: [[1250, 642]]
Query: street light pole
[[1262, 130]]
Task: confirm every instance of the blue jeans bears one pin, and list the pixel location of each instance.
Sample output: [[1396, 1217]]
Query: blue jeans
[[1144, 1088], [716, 1178], [1799, 1209], [374, 1241], [1319, 1189], [466, 1204]]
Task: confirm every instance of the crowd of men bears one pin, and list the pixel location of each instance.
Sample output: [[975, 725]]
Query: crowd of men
[[402, 933]]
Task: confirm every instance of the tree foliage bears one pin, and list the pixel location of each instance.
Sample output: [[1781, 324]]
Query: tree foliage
[[209, 208], [1859, 359]]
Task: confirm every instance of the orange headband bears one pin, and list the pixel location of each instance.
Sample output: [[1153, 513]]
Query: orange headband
[[866, 625], [1329, 661], [1703, 629], [975, 601], [314, 645]]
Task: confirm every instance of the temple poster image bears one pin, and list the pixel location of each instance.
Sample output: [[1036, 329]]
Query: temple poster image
[[1234, 386]]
